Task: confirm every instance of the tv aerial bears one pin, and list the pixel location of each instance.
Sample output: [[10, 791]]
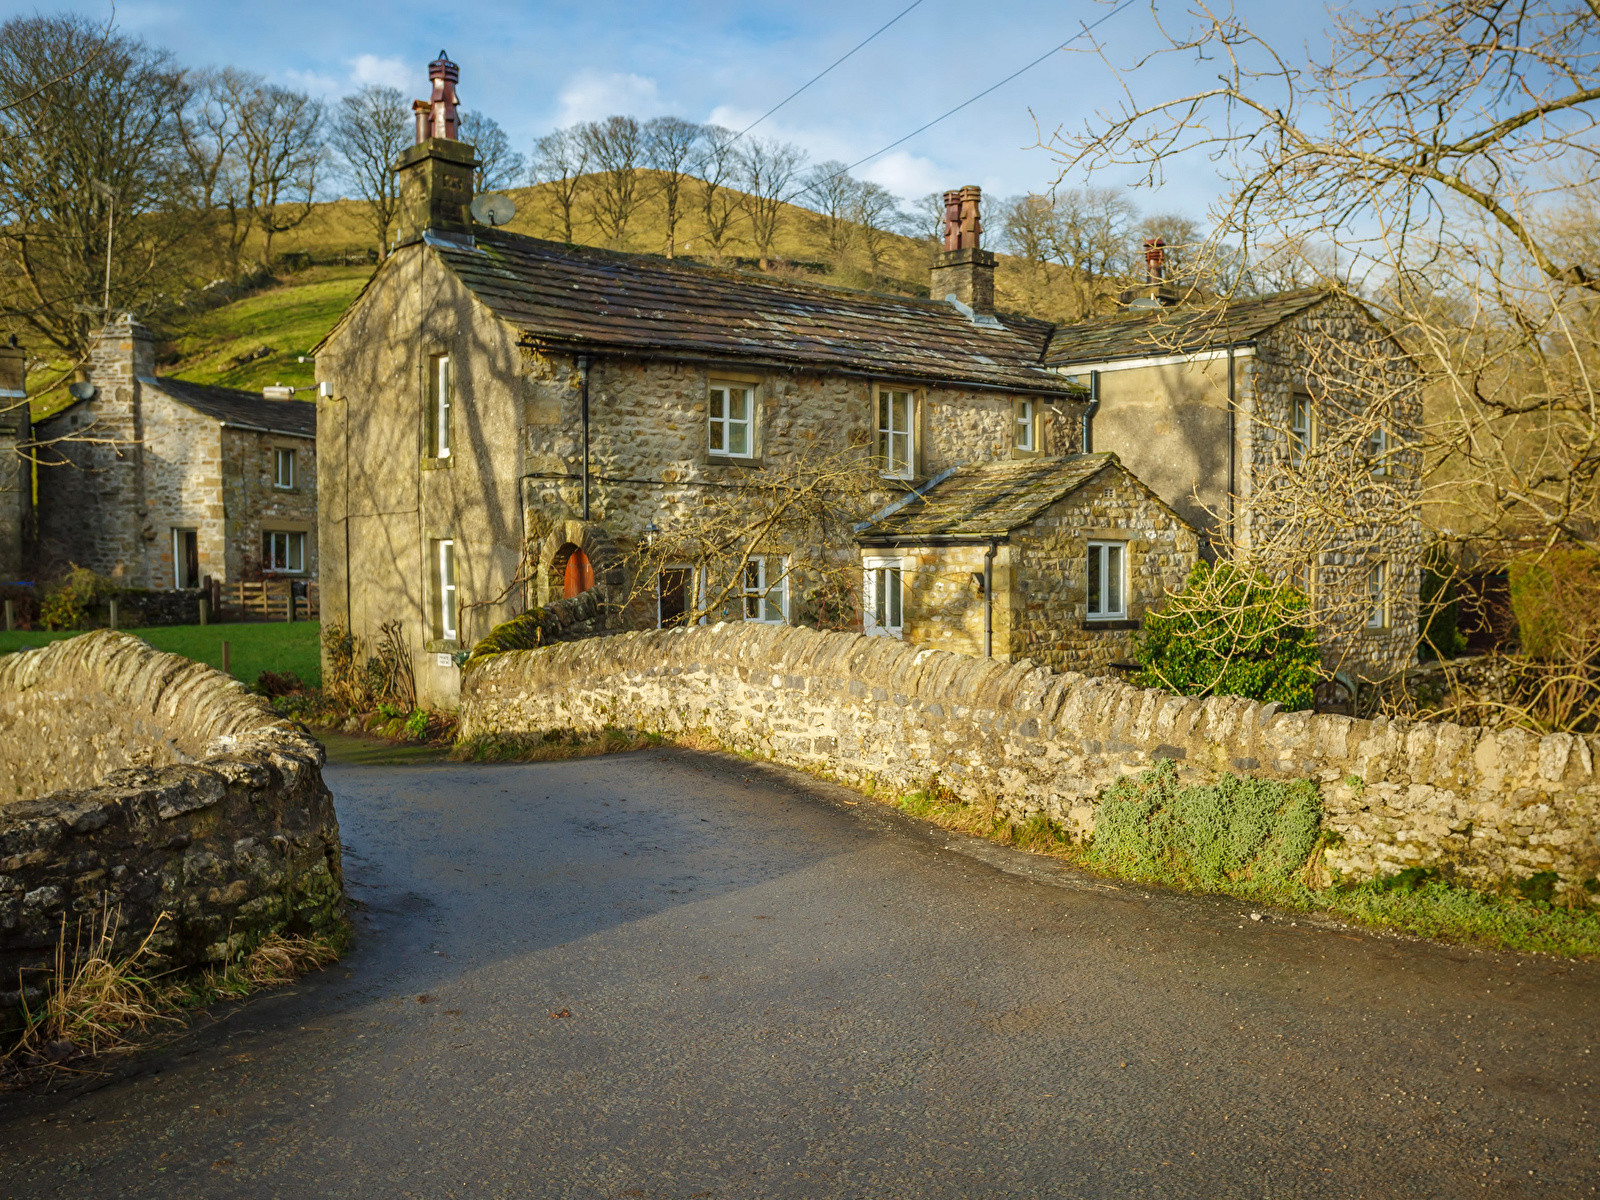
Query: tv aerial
[[493, 209]]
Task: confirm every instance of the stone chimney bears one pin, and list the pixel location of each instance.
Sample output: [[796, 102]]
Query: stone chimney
[[122, 353], [436, 173], [1156, 292], [964, 272]]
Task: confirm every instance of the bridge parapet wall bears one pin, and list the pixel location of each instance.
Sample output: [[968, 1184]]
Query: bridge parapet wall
[[877, 713]]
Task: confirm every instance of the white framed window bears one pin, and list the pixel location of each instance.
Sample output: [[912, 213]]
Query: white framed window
[[765, 589], [897, 438], [283, 552], [1302, 428], [1108, 580], [185, 558], [1378, 450], [444, 565], [441, 400], [730, 411], [282, 467], [1027, 436], [1378, 595], [884, 608]]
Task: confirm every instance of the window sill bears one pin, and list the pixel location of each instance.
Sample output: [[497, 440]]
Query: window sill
[[1095, 625], [731, 460], [438, 464], [440, 646]]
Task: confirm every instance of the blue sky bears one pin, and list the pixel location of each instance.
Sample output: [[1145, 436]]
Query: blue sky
[[534, 66]]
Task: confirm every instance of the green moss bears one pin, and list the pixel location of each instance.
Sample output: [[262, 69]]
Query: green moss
[[519, 633]]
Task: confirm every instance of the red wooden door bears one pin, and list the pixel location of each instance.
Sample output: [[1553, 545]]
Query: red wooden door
[[580, 575]]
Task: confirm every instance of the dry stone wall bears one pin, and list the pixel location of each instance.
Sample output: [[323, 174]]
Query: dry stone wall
[[874, 711], [140, 783]]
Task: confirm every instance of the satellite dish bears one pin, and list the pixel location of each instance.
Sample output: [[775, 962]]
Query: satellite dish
[[493, 209]]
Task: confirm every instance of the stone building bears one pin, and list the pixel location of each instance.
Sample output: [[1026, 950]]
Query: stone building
[[160, 483], [1052, 559], [1210, 404], [510, 415]]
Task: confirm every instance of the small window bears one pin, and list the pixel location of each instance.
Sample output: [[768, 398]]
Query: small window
[[885, 599], [282, 468], [1027, 433], [1378, 450], [1378, 595], [444, 558], [283, 553], [731, 408], [440, 401], [766, 590], [897, 446], [675, 597], [1302, 430], [1107, 581]]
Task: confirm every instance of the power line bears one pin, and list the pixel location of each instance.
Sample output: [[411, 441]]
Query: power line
[[825, 70], [1084, 33]]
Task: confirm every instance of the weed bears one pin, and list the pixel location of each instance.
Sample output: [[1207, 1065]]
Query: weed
[[551, 744]]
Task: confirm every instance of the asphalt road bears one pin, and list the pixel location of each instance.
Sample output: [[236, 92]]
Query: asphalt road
[[671, 975]]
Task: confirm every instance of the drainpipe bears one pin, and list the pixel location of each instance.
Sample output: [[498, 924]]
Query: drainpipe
[[1088, 413], [988, 599], [583, 366], [1232, 450]]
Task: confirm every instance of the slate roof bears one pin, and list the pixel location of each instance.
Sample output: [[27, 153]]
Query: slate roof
[[988, 499], [576, 298], [1182, 329], [241, 409]]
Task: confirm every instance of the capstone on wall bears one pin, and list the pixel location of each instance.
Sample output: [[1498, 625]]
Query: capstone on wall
[[140, 784], [1490, 806]]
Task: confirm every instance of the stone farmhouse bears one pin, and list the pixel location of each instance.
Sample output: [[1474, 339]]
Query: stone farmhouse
[[508, 415], [158, 483]]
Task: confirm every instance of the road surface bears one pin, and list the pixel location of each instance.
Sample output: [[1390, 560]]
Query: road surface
[[673, 975]]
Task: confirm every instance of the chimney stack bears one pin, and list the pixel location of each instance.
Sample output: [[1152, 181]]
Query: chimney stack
[[436, 173], [1156, 292], [964, 271]]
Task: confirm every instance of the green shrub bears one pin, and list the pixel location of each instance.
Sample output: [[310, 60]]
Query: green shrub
[[1231, 632], [1556, 599], [70, 603], [1234, 834]]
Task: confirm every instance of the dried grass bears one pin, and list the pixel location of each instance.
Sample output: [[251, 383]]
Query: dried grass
[[279, 960]]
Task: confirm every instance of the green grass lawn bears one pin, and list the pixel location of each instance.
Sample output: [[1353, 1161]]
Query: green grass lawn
[[280, 324], [255, 646]]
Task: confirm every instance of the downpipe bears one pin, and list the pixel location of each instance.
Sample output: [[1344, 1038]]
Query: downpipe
[[988, 599], [583, 367], [1088, 413]]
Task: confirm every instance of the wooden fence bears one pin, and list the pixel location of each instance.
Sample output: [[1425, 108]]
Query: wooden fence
[[265, 600]]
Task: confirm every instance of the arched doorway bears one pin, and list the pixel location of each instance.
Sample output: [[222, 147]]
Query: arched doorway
[[578, 576]]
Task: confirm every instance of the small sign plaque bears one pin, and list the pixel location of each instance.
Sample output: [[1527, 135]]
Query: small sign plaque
[[442, 660]]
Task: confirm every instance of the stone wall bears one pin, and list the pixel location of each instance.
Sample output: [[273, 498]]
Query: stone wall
[[141, 783], [874, 711], [255, 504]]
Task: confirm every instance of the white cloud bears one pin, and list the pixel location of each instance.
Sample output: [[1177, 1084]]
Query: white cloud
[[314, 82], [389, 72], [593, 95], [909, 175]]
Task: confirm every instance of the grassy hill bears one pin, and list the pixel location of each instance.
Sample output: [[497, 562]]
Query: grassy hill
[[259, 339]]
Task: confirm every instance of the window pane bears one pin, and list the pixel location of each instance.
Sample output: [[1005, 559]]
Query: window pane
[[901, 411], [900, 452], [717, 397], [893, 582], [876, 581], [738, 437], [716, 436], [739, 404], [1113, 579], [775, 602], [1094, 580]]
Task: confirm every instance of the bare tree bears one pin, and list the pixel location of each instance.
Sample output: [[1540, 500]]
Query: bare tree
[[560, 165], [82, 111], [370, 131], [283, 149], [718, 165], [878, 218], [499, 166], [770, 168], [616, 151], [831, 192], [671, 147], [1434, 162]]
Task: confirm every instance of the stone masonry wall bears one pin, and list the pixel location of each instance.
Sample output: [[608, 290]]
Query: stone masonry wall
[[875, 711], [141, 783], [255, 504]]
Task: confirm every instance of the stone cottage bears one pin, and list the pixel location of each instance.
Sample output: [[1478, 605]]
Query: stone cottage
[[159, 483], [1209, 404], [1052, 559], [510, 415]]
